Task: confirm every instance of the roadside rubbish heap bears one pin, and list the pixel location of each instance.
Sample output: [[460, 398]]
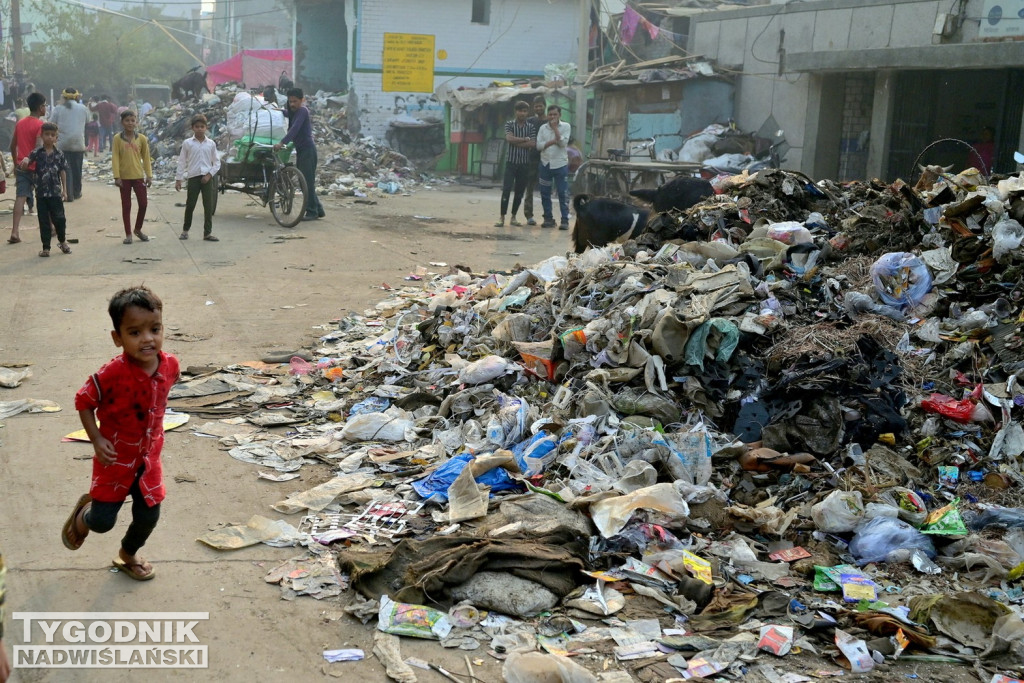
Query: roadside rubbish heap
[[348, 166], [777, 438]]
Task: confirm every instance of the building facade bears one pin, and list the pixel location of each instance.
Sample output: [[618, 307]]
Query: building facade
[[868, 88]]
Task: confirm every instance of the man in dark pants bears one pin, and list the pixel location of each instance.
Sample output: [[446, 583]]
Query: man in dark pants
[[520, 136], [300, 131], [538, 119]]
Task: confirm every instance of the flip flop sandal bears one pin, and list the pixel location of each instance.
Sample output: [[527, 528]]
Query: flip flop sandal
[[64, 248], [211, 238], [142, 236], [183, 236], [126, 240], [13, 240], [132, 570], [69, 535], [44, 253]]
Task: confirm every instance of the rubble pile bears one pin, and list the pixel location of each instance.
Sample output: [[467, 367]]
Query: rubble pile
[[775, 451], [347, 166]]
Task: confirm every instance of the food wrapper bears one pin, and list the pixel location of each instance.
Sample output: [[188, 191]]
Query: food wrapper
[[776, 639], [829, 579], [857, 587], [855, 651], [698, 566], [417, 621], [946, 521]]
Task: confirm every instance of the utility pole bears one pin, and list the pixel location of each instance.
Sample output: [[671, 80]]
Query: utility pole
[[582, 67], [16, 35]]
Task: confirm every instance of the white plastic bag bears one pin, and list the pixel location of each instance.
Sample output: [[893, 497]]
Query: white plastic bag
[[1007, 235], [387, 426], [484, 370], [538, 667], [841, 511]]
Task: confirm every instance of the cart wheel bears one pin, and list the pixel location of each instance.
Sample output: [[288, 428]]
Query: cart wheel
[[288, 197]]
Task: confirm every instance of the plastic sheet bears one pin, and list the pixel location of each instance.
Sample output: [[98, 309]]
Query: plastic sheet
[[884, 539], [901, 279]]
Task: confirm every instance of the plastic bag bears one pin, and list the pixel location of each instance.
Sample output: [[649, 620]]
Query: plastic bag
[[901, 279], [611, 514], [840, 512], [387, 426], [1007, 235], [878, 539], [417, 621], [911, 507], [947, 406], [536, 453], [790, 233], [436, 484], [483, 370], [997, 516]]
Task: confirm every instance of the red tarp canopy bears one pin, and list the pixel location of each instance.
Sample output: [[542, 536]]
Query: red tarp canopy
[[255, 68]]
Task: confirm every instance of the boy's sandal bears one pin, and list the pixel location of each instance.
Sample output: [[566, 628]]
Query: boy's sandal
[[64, 247], [126, 240], [142, 236], [514, 222], [211, 238], [183, 236], [69, 534], [13, 240], [134, 570], [44, 252]]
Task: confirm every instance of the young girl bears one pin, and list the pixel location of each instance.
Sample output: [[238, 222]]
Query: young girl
[[133, 170], [92, 135]]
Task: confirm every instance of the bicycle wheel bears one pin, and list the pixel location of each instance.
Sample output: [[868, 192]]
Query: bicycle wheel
[[288, 196]]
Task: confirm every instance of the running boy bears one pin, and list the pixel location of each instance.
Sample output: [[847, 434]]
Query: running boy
[[133, 170], [198, 164], [50, 178], [128, 396]]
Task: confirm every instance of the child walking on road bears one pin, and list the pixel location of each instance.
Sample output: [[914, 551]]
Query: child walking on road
[[50, 178], [198, 164], [133, 170], [128, 396], [92, 135]]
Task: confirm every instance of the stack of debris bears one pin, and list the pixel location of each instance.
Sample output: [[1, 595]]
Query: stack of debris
[[784, 446], [347, 166]]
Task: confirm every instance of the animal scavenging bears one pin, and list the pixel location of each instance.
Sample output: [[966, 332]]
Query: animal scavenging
[[601, 221], [679, 194], [190, 86]]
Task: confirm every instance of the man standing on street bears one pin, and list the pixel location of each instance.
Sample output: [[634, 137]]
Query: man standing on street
[[552, 139], [108, 112], [25, 139], [71, 117], [300, 131], [521, 138], [537, 120]]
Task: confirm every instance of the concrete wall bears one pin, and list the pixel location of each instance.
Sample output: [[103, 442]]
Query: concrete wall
[[521, 38], [782, 49]]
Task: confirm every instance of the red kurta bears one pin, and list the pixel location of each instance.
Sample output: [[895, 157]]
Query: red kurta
[[130, 407]]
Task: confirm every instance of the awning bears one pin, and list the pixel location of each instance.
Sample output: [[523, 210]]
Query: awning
[[255, 68], [474, 98]]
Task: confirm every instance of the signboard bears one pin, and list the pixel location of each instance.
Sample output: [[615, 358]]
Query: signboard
[[408, 63], [1002, 19]]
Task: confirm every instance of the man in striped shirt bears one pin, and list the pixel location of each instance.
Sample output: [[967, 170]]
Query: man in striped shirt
[[519, 134]]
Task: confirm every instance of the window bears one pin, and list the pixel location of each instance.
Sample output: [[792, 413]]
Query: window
[[481, 12]]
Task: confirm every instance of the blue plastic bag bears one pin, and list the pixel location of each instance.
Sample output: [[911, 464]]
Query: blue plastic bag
[[536, 453], [435, 485]]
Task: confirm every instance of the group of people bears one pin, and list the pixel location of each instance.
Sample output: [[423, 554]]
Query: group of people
[[539, 154], [48, 154]]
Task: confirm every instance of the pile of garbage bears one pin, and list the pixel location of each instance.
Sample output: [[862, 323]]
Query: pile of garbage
[[348, 165], [784, 447]]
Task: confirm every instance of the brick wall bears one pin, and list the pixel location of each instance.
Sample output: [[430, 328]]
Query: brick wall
[[521, 38]]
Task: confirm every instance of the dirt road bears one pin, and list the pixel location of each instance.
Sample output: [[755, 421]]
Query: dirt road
[[234, 300]]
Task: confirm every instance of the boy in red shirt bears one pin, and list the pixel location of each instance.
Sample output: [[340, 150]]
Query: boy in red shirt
[[128, 396]]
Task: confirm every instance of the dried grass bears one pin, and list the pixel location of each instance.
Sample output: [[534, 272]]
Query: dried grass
[[829, 339]]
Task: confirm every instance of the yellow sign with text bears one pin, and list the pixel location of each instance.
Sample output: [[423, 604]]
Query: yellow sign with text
[[408, 63]]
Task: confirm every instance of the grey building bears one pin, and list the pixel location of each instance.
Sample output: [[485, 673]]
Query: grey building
[[863, 87]]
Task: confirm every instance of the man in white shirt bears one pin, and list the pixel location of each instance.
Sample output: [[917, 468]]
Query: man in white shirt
[[552, 139]]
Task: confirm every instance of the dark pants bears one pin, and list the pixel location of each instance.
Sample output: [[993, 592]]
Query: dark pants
[[102, 516], [139, 185], [51, 209], [194, 188], [305, 161], [531, 185], [515, 177], [75, 174]]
